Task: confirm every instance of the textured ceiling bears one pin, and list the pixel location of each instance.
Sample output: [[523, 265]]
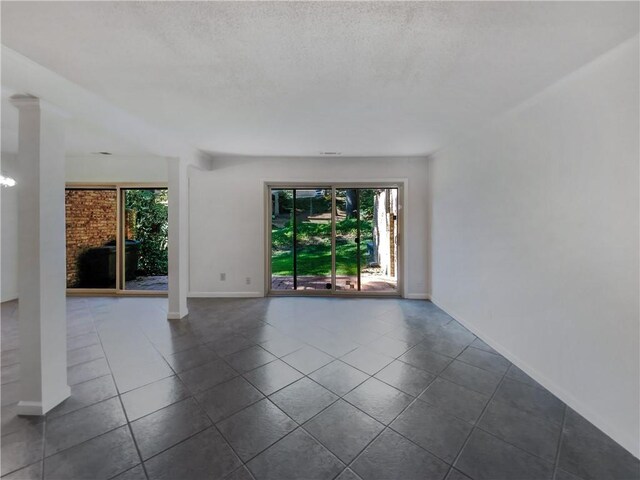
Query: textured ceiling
[[362, 78]]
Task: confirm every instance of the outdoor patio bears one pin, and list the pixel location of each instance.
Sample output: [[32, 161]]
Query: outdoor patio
[[376, 283], [153, 282]]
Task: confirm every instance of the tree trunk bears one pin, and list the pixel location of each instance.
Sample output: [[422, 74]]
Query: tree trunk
[[351, 201]]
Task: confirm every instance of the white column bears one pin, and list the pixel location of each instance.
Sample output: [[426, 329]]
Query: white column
[[178, 238], [41, 256]]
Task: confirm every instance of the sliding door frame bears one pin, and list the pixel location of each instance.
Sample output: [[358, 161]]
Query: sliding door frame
[[270, 185], [119, 187]]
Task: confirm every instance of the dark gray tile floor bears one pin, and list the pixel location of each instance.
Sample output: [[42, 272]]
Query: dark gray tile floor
[[292, 388]]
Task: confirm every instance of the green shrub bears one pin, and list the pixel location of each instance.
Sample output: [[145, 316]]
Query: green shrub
[[150, 229]]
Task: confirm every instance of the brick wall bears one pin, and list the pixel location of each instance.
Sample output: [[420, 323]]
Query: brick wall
[[91, 222]]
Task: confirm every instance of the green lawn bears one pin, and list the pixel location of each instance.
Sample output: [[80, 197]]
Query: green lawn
[[314, 248], [316, 260]]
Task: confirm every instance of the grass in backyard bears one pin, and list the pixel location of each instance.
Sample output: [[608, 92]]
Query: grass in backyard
[[316, 260], [314, 248]]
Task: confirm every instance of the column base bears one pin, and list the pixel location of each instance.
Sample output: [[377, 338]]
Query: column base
[[177, 315], [29, 408]]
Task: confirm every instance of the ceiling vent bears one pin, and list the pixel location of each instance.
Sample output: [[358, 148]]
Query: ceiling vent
[[102, 153], [333, 154]]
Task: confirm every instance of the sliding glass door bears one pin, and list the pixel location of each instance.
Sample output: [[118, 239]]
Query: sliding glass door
[[333, 239], [117, 239]]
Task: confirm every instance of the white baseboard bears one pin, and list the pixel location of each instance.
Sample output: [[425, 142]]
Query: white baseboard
[[9, 297], [417, 296], [27, 408], [37, 408], [225, 294], [410, 296], [177, 315], [575, 403]]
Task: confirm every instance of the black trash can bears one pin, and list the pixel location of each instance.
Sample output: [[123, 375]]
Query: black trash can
[[131, 257], [97, 265]]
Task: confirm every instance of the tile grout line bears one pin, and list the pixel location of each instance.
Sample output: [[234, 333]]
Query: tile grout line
[[388, 426], [192, 395], [44, 456], [83, 346], [127, 470], [535, 417], [488, 432], [477, 422], [87, 361], [559, 449], [414, 402], [126, 417], [141, 386], [87, 440], [44, 444], [160, 452], [474, 426], [135, 442], [480, 350], [20, 468], [213, 425], [299, 425]]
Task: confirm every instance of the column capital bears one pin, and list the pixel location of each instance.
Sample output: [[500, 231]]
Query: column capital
[[26, 101]]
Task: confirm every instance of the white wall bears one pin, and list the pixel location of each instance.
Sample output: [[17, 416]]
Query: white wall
[[100, 168], [227, 215], [8, 231], [535, 242]]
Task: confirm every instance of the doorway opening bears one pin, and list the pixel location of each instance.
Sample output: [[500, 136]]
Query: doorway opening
[[117, 239], [334, 239]]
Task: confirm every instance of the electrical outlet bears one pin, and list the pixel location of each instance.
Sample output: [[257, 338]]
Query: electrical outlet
[[223, 277], [248, 280]]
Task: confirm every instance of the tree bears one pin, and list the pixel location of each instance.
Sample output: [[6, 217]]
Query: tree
[[150, 227]]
